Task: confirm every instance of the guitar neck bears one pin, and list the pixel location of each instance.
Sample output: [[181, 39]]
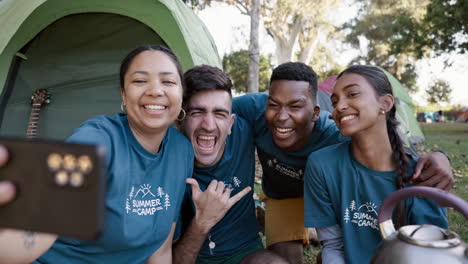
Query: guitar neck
[[33, 120]]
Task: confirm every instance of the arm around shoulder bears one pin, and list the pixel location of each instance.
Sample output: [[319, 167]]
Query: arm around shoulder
[[434, 170], [250, 106]]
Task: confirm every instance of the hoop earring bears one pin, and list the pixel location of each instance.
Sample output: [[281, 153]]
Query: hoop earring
[[183, 117], [123, 108]]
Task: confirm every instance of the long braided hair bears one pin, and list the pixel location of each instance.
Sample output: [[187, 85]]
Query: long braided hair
[[379, 81]]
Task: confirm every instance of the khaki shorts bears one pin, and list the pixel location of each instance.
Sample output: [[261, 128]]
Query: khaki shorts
[[284, 220]]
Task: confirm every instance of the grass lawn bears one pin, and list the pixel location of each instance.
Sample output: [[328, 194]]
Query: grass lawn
[[452, 138]]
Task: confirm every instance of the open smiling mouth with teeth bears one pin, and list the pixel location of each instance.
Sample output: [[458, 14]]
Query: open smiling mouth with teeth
[[155, 107], [206, 142], [282, 132], [348, 117]]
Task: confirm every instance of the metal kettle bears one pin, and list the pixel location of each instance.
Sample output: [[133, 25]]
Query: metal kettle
[[420, 243]]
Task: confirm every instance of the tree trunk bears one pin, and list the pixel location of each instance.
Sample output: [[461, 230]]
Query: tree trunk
[[311, 42], [254, 52], [283, 50], [284, 44]]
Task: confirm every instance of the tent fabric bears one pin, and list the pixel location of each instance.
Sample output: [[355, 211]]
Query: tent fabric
[[409, 128], [74, 51], [462, 115], [327, 84], [323, 100], [180, 28], [78, 70]]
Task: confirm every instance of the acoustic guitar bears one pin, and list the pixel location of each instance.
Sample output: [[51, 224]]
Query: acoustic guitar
[[38, 99]]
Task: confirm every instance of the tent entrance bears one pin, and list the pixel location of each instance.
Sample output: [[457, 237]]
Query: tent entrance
[[77, 60]]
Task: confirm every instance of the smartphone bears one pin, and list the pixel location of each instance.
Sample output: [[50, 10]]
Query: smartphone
[[60, 187]]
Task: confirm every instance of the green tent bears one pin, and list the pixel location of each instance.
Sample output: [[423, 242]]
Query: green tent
[[409, 128], [74, 49]]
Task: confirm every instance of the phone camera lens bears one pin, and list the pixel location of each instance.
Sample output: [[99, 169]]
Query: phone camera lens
[[54, 161], [76, 179]]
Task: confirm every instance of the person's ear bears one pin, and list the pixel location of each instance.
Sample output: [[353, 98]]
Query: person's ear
[[316, 113], [124, 97], [231, 122], [386, 102]]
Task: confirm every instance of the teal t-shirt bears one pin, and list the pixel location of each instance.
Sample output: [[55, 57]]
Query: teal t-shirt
[[144, 194], [283, 171], [338, 190], [238, 229]]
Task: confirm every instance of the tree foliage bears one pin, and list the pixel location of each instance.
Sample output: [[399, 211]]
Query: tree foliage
[[197, 4], [375, 25], [250, 8], [235, 65], [323, 62], [439, 92], [400, 32], [296, 25], [444, 28]]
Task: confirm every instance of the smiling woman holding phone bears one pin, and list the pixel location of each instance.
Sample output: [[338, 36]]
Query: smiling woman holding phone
[[148, 162]]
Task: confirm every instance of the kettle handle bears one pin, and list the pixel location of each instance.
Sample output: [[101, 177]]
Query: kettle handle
[[441, 197]]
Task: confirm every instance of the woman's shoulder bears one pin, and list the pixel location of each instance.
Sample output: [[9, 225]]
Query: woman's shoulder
[[116, 120], [99, 127], [177, 138], [335, 150], [329, 157]]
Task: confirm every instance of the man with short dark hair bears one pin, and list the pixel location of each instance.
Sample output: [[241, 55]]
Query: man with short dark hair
[[224, 165]]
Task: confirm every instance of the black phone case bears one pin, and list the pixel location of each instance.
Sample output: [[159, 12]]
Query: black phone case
[[52, 197]]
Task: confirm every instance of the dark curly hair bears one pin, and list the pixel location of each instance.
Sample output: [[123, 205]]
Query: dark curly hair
[[297, 71]]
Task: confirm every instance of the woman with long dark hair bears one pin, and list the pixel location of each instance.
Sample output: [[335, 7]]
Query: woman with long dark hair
[[345, 184]]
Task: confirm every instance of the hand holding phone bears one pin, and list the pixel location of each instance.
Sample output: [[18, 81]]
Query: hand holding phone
[[60, 187], [7, 189]]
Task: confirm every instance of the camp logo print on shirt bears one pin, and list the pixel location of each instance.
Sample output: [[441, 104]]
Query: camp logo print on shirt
[[235, 183], [286, 169], [143, 200], [362, 215]]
